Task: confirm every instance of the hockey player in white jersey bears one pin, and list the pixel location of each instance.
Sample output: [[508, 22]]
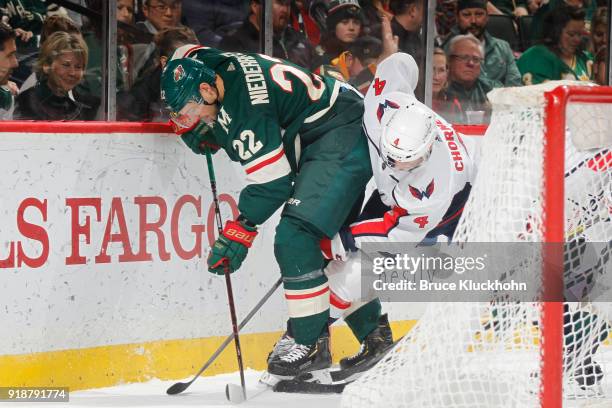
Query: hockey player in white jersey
[[423, 174]]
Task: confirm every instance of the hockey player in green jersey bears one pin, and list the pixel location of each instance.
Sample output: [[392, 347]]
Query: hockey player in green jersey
[[300, 140]]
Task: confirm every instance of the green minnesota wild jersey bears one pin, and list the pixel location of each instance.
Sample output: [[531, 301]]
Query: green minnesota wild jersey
[[539, 64], [273, 115]]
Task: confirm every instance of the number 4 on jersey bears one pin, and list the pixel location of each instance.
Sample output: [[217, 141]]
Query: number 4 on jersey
[[378, 86], [422, 221]]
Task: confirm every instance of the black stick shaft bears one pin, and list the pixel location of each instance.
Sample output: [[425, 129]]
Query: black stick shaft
[[226, 271]]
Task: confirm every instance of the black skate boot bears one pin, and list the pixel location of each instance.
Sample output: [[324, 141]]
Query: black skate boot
[[374, 345], [283, 344], [302, 359]]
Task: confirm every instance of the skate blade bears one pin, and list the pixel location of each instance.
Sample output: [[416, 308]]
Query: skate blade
[[322, 376], [270, 379]]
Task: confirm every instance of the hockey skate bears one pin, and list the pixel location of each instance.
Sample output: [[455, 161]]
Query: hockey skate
[[375, 344], [281, 347], [301, 358]]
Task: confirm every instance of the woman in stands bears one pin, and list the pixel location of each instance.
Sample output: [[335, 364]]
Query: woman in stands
[[60, 68], [439, 82], [560, 54], [344, 24]]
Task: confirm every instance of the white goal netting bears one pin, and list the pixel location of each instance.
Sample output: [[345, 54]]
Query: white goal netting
[[490, 354]]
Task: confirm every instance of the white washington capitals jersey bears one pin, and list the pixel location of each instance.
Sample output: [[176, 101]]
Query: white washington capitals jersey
[[425, 202]]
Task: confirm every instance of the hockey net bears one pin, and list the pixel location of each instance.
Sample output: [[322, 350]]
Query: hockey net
[[530, 187]]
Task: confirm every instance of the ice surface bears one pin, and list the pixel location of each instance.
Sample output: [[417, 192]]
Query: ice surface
[[208, 392]]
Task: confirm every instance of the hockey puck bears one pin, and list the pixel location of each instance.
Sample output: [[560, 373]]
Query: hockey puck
[[234, 393]]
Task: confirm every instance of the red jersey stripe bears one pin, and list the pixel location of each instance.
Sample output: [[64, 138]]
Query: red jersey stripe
[[264, 163], [307, 295]]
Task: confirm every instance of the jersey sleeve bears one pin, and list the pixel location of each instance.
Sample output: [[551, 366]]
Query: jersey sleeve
[[268, 173], [396, 225]]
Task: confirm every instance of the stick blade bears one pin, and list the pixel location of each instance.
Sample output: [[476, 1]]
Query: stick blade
[[177, 388], [234, 393]]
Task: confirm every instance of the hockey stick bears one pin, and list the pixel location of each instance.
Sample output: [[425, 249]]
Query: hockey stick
[[182, 386], [226, 272]]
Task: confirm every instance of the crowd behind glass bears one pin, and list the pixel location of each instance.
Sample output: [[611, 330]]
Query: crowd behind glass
[[51, 56]]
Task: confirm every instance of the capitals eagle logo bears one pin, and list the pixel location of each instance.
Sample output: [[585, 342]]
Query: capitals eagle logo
[[418, 194]]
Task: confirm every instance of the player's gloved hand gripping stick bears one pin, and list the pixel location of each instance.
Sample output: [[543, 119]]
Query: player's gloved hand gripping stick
[[231, 246]]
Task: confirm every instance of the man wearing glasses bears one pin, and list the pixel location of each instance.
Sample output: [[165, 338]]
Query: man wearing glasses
[[467, 90], [499, 64], [161, 14]]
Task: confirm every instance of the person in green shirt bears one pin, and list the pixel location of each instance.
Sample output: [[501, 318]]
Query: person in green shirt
[[300, 141], [560, 55]]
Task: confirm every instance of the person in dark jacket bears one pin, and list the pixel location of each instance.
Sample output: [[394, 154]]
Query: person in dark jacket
[[211, 19], [288, 43], [406, 25], [60, 68]]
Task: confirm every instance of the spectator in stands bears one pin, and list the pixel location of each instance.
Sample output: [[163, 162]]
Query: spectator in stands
[[499, 64], [467, 90], [560, 55], [373, 11], [161, 14], [357, 65], [301, 21], [406, 25], [599, 36], [446, 19], [142, 103], [439, 82], [26, 17], [131, 53], [60, 68], [212, 19], [344, 22], [51, 25], [537, 24], [8, 62], [287, 43]]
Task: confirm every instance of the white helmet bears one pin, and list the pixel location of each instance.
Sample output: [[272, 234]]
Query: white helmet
[[407, 134]]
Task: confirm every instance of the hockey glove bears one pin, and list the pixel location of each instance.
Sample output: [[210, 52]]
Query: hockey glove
[[339, 246], [200, 137], [232, 246]]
